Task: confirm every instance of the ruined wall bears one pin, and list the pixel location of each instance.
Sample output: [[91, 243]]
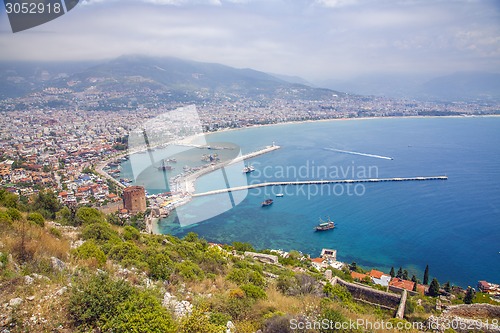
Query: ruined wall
[[371, 295], [474, 311]]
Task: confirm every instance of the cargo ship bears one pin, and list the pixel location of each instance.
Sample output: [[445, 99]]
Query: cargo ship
[[324, 225]]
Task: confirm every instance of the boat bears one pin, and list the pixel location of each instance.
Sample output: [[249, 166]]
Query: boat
[[248, 169], [267, 202], [324, 225], [165, 167], [279, 195]]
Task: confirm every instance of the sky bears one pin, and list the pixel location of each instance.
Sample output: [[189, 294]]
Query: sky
[[313, 39]]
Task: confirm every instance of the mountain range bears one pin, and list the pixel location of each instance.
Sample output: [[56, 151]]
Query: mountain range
[[173, 78]]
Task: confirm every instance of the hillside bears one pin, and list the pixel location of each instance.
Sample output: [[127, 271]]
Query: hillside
[[83, 273], [167, 78]]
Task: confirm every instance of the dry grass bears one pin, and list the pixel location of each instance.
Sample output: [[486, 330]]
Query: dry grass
[[277, 302]]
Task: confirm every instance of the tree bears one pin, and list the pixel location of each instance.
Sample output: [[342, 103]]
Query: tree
[[447, 287], [400, 273], [354, 266], [87, 215], [434, 288], [405, 274], [46, 202], [392, 273], [415, 281], [37, 219], [426, 275], [469, 296]]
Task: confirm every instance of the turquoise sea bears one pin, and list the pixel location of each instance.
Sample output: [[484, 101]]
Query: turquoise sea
[[453, 225]]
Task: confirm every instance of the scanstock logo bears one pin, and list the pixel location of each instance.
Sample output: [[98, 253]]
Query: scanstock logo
[[25, 14]]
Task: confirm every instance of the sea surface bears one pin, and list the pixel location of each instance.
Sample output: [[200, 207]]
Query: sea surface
[[452, 225]]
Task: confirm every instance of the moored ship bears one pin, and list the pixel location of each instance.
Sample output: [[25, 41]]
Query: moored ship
[[248, 169], [324, 225], [165, 167], [267, 202]]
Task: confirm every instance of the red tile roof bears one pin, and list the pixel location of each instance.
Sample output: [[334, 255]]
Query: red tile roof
[[317, 260], [376, 274], [403, 284], [358, 276]]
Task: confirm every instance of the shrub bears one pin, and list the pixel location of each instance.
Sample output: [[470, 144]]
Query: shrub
[[332, 316], [14, 214], [95, 299], [199, 322], [160, 265], [8, 199], [89, 250], [37, 219], [246, 275], [100, 232], [131, 233], [55, 232], [125, 251], [87, 215], [340, 293], [141, 313], [242, 247], [278, 323], [253, 291], [5, 218], [219, 319], [189, 270]]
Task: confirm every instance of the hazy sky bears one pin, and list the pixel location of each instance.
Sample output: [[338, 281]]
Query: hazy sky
[[315, 39]]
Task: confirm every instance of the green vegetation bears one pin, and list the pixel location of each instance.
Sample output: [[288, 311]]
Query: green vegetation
[[116, 279], [434, 288], [426, 275]]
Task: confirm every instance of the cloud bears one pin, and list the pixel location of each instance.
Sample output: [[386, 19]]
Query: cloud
[[310, 38], [336, 3]]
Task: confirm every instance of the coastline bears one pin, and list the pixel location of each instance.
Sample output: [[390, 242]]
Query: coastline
[[339, 119], [191, 179]]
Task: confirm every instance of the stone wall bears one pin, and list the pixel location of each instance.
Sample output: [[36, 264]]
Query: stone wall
[[460, 318], [473, 311], [371, 295]]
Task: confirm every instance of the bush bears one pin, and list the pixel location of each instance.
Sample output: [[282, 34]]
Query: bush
[[131, 233], [141, 313], [87, 215], [14, 214], [94, 300], [55, 232], [5, 218], [160, 265], [253, 291], [340, 293], [100, 232], [242, 247], [189, 270], [8, 199], [246, 275], [126, 251], [89, 250], [37, 219], [199, 322]]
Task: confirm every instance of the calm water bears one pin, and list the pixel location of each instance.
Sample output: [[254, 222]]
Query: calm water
[[453, 225]]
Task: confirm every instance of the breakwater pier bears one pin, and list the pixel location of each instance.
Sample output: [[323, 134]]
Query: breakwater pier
[[321, 182]]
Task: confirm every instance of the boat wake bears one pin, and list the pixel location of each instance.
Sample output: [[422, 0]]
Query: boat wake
[[360, 154]]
